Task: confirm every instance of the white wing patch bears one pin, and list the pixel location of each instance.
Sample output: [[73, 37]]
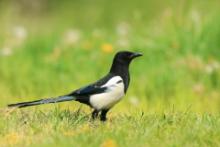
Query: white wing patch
[[113, 94], [113, 81]]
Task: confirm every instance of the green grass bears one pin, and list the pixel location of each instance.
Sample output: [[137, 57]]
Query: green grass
[[56, 47], [64, 128]]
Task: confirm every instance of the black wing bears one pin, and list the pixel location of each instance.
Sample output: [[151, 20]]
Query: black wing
[[88, 90], [94, 88]]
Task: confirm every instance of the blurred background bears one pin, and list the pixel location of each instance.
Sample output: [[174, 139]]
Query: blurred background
[[51, 47]]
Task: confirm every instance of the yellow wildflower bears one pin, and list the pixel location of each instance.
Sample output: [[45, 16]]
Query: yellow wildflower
[[107, 48], [109, 143], [13, 138]]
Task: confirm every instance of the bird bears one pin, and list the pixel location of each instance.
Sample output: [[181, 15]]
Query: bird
[[101, 95]]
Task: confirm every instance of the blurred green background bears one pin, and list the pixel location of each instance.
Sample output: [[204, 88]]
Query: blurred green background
[[48, 48], [51, 47]]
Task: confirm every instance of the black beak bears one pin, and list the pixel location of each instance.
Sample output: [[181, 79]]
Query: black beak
[[134, 55]]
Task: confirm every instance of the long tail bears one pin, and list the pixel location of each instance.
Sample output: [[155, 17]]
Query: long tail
[[43, 101]]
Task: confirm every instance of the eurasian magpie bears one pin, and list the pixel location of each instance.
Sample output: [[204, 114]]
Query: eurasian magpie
[[101, 95]]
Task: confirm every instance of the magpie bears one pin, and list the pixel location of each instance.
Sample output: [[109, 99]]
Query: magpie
[[101, 95]]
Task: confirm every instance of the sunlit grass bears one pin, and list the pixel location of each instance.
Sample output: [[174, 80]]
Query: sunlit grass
[[64, 127]]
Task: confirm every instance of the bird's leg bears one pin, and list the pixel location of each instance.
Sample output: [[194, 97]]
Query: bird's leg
[[95, 114], [103, 115]]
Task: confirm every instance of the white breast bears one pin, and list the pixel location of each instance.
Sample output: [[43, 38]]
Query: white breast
[[113, 94]]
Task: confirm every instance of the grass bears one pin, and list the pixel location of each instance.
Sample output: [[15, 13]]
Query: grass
[[57, 47], [64, 128]]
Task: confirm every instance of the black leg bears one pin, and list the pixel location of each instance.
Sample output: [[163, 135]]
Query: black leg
[[95, 114], [103, 115]]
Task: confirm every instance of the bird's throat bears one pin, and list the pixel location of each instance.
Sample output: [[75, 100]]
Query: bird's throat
[[121, 70]]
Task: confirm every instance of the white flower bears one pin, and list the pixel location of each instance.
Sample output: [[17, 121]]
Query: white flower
[[19, 32], [134, 100], [196, 21], [72, 36], [122, 42], [123, 29], [6, 51], [210, 68], [195, 17]]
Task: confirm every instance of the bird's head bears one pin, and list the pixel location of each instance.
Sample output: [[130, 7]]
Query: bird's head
[[123, 59], [126, 56]]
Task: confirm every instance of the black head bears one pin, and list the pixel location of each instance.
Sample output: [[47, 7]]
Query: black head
[[120, 65], [126, 56], [122, 59]]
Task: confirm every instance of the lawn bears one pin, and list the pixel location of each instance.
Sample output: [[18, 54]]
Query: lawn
[[49, 48]]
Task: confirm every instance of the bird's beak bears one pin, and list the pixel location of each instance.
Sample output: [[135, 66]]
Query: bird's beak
[[134, 55]]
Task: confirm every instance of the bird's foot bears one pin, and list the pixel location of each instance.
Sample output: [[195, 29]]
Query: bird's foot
[[103, 119], [95, 114]]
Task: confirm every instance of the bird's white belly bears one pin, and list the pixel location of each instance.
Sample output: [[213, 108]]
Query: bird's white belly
[[108, 99]]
